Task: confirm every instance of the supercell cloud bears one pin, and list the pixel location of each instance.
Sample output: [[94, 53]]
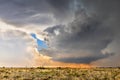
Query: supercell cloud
[[89, 36], [68, 31]]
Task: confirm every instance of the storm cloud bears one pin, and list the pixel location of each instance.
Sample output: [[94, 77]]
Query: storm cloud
[[38, 12], [75, 31], [95, 27]]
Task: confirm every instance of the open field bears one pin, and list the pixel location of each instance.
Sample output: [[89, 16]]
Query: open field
[[59, 74]]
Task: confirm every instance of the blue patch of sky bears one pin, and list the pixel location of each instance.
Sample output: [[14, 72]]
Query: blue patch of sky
[[41, 44]]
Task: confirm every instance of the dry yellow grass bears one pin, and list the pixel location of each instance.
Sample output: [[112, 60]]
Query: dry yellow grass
[[42, 73]]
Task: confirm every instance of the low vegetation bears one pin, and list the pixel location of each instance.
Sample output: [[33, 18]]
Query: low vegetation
[[42, 73]]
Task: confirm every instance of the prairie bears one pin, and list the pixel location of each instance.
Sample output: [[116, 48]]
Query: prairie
[[42, 73]]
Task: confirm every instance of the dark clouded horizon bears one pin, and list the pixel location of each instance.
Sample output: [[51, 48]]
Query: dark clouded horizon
[[75, 31]]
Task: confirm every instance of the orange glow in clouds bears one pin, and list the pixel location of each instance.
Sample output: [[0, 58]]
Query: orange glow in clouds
[[46, 61]]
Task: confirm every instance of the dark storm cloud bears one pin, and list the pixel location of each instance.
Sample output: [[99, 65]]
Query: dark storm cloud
[[90, 37], [95, 27], [52, 29], [24, 11], [86, 60], [62, 8], [91, 26]]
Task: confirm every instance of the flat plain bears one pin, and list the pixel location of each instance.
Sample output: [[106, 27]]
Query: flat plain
[[59, 73]]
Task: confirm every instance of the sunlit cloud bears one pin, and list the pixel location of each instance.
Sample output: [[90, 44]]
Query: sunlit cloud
[[59, 33]]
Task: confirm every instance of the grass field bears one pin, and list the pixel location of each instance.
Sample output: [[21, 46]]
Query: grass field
[[42, 73]]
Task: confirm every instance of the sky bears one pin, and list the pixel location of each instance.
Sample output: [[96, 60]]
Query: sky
[[59, 33]]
